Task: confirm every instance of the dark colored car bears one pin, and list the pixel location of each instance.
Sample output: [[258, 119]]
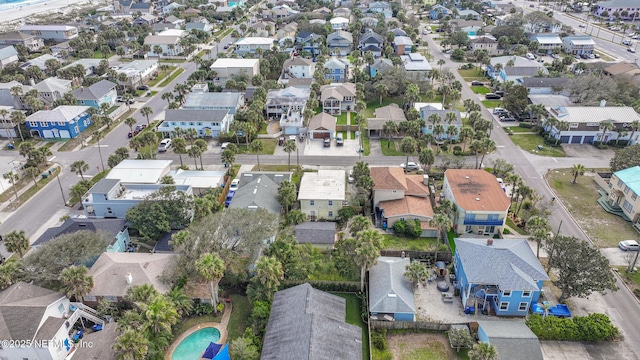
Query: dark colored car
[[140, 127], [499, 93], [143, 87], [492, 96], [229, 198], [327, 142], [477, 83]]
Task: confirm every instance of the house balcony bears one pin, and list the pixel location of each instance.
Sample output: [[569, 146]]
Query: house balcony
[[78, 310], [472, 222]]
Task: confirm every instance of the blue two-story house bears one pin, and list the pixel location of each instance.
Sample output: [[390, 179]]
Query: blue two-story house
[[337, 69], [439, 12], [102, 92], [499, 276], [63, 122], [208, 123], [445, 121], [116, 229], [309, 41]]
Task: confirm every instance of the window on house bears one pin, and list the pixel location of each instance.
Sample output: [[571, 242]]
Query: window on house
[[506, 293], [523, 306], [191, 123], [330, 202], [199, 123], [43, 124], [620, 182], [330, 214], [526, 294], [33, 123], [504, 305], [627, 206], [312, 202], [626, 189], [573, 125], [183, 123], [634, 196], [61, 123]]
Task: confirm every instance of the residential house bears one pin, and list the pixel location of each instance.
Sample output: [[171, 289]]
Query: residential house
[[415, 63], [130, 171], [322, 126], [398, 32], [52, 89], [264, 28], [371, 41], [299, 67], [324, 11], [287, 31], [468, 14], [111, 198], [369, 21], [57, 49], [115, 229], [337, 69], [200, 25], [439, 12], [309, 41], [45, 318], [169, 45], [470, 27], [164, 26], [138, 72], [544, 85], [402, 45], [102, 92], [390, 292], [622, 195], [8, 55], [626, 9], [227, 67], [7, 99], [381, 7], [547, 42], [429, 2], [398, 196], [207, 123], [300, 83], [512, 339], [502, 276], [168, 9], [259, 190], [337, 97], [484, 42], [320, 234], [114, 273], [89, 65], [63, 122], [201, 181], [541, 27], [630, 69], [378, 65], [340, 42], [215, 101], [578, 45], [39, 61], [145, 19], [249, 45], [342, 12], [191, 12], [279, 102], [321, 194], [480, 202], [31, 42], [56, 33], [431, 126], [339, 23], [513, 68], [305, 323], [141, 7], [391, 112], [585, 123]]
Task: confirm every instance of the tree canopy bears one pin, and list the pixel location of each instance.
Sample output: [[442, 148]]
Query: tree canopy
[[625, 158], [162, 211]]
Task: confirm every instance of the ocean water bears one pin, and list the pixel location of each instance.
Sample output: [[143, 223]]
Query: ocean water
[[16, 4]]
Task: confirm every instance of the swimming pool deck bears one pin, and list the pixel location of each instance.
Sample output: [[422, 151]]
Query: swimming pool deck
[[221, 326]]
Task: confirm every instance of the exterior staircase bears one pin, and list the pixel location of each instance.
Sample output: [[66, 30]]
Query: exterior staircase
[[81, 310]]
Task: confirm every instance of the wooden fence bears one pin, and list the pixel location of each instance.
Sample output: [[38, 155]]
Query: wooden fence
[[409, 325], [442, 255], [347, 128]]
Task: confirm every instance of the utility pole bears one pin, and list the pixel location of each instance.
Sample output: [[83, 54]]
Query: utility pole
[[58, 170]]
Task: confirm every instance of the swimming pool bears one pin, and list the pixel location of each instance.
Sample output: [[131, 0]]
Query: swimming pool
[[195, 344]]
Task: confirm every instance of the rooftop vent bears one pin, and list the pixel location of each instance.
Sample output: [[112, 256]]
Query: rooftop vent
[[129, 278], [477, 199]]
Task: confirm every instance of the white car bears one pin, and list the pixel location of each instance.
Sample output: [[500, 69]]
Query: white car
[[164, 145], [351, 179], [410, 166], [627, 245], [234, 185]]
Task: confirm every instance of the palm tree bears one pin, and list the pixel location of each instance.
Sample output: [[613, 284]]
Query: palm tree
[[130, 122], [483, 351], [358, 223], [146, 111], [33, 172], [18, 118], [443, 223], [16, 241], [408, 146], [415, 271], [289, 147], [256, 146], [427, 158], [76, 281], [538, 228], [98, 135], [577, 170], [635, 126], [486, 146], [269, 272], [228, 157], [562, 126], [4, 113], [367, 251], [182, 301], [382, 90], [131, 345], [179, 147], [9, 273], [203, 147], [287, 195], [390, 128], [210, 267], [79, 167], [465, 133], [160, 313], [195, 152]]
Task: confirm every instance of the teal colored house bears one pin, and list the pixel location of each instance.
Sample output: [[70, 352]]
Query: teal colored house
[[500, 276], [63, 122], [102, 92], [116, 229]]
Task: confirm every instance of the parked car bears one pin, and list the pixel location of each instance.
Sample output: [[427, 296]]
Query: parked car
[[410, 166], [327, 142], [555, 56], [627, 245], [498, 111], [165, 144], [507, 118], [234, 185], [339, 140], [596, 56], [492, 96], [281, 140], [227, 201], [425, 31], [226, 46], [224, 146], [351, 179], [119, 99], [582, 25], [143, 87], [631, 50], [477, 83], [140, 127], [499, 93]]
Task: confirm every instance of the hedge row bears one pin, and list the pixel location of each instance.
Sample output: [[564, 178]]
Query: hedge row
[[594, 327]]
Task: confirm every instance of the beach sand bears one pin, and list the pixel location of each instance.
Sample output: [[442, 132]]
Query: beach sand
[[23, 10]]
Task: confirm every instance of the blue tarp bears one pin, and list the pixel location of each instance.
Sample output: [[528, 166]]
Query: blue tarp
[[212, 350], [223, 354]]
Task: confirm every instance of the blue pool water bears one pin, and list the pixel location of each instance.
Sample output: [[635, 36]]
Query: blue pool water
[[195, 344]]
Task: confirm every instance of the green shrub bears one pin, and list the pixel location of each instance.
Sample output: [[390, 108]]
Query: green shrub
[[596, 327], [400, 227], [410, 229], [379, 339], [525, 125], [636, 292], [506, 231], [457, 150], [444, 147], [593, 328]]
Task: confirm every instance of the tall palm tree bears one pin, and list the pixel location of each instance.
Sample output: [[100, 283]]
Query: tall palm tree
[[76, 281], [427, 158], [228, 157], [635, 126], [605, 126], [538, 228], [9, 273], [98, 135], [443, 223], [146, 111], [390, 128], [269, 272], [130, 122], [195, 152], [408, 146], [287, 195], [210, 268], [18, 118], [4, 113], [367, 251], [131, 345], [16, 241], [160, 313], [179, 147], [483, 351], [203, 147], [79, 167], [577, 170], [382, 90], [256, 146], [289, 147], [562, 126], [487, 145], [415, 271]]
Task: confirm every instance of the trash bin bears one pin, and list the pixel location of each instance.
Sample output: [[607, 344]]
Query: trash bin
[[10, 146], [540, 147]]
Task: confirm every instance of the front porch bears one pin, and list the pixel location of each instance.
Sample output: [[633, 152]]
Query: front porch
[[611, 205]]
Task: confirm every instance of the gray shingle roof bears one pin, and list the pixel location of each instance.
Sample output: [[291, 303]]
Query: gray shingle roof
[[316, 232], [537, 82], [389, 290], [49, 328], [104, 186], [512, 339], [101, 341], [510, 264], [7, 52], [95, 91], [309, 324], [110, 226], [22, 307], [259, 190], [197, 115]]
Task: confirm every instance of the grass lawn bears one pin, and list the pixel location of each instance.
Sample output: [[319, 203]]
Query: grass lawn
[[604, 57], [418, 346], [273, 167], [389, 149], [393, 242], [239, 319], [161, 76], [354, 318], [605, 229], [518, 129], [490, 104], [269, 146], [631, 279], [472, 74], [530, 142], [175, 74], [342, 119], [10, 192], [514, 227], [188, 323], [365, 144], [480, 89], [452, 244], [353, 135]]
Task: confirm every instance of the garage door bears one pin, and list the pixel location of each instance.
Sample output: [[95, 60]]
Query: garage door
[[564, 139], [65, 134], [321, 135], [47, 134], [588, 140], [576, 140]]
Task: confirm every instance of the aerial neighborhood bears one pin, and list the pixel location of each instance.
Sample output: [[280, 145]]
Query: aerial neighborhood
[[349, 179]]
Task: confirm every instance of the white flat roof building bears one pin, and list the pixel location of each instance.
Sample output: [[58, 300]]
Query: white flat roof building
[[323, 185], [140, 171]]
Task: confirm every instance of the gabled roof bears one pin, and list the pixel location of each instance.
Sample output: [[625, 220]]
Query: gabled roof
[[389, 290], [255, 41], [22, 307], [476, 190], [512, 339], [398, 32], [409, 205], [309, 324], [110, 270], [390, 112], [7, 52], [340, 35], [70, 226], [623, 68], [259, 190], [510, 264], [336, 63], [394, 178], [316, 232], [381, 64], [95, 91], [298, 61], [337, 90], [53, 84], [62, 113], [594, 114], [402, 40], [371, 37], [16, 35], [322, 121], [518, 61], [543, 82], [162, 39]]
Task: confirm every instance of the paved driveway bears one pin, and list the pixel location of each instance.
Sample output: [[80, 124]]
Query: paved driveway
[[618, 257], [316, 148]]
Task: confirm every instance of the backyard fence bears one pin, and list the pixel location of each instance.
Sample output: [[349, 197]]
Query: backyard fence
[[409, 325], [413, 254], [324, 285], [347, 128]]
